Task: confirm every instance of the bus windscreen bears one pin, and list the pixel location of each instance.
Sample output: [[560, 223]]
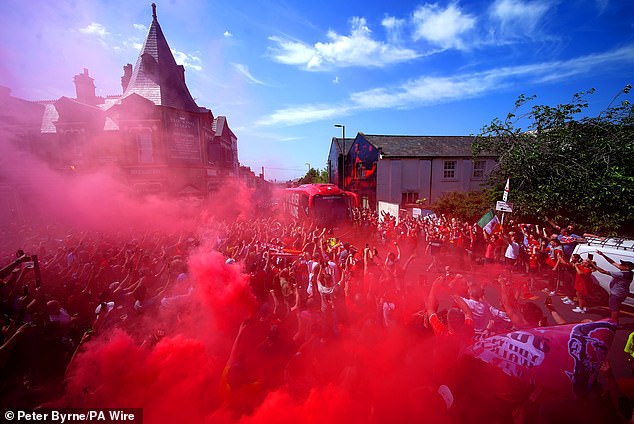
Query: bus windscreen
[[330, 209]]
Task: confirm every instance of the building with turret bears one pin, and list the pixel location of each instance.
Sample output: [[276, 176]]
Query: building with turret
[[153, 137]]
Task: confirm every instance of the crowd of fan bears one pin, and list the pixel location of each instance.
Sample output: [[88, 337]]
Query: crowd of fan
[[313, 283]]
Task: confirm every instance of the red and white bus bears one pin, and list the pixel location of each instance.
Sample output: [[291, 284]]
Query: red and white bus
[[322, 204]]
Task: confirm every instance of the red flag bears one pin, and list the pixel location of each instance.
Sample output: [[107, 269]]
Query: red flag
[[564, 358]]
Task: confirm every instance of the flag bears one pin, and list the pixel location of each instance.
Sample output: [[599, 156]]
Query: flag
[[505, 196], [565, 358], [489, 222]]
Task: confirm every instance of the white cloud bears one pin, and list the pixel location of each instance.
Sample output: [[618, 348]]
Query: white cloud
[[356, 49], [291, 52], [137, 46], [244, 70], [301, 115], [336, 80], [95, 29], [429, 90], [393, 27], [227, 34], [442, 27], [187, 60], [517, 17], [140, 27]]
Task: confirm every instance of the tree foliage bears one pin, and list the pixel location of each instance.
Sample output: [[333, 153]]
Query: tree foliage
[[469, 206], [566, 166], [315, 176]]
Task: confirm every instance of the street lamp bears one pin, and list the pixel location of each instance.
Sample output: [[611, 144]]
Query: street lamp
[[343, 154], [308, 164]]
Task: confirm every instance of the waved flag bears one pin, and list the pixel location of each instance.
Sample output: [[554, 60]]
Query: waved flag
[[565, 358], [489, 222]]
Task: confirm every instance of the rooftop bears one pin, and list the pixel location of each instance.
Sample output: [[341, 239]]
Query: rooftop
[[421, 146], [156, 75]]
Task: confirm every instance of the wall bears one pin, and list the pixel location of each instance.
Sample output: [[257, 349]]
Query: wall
[[396, 176]]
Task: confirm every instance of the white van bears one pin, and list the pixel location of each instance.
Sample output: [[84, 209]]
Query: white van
[[617, 249]]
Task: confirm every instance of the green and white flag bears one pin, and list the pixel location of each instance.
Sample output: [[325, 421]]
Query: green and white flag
[[489, 222]]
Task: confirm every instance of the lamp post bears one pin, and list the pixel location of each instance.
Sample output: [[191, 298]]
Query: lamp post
[[343, 155]]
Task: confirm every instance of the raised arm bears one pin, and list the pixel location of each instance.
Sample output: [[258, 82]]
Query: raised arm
[[463, 306], [611, 262]]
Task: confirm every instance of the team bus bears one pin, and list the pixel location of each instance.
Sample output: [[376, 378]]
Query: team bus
[[322, 204]]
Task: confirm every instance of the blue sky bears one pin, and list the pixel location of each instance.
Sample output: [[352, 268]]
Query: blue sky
[[285, 72]]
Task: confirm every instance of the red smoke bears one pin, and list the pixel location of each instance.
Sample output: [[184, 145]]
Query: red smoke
[[175, 381], [369, 375], [223, 291]]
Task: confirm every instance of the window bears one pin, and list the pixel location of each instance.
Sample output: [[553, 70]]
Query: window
[[365, 202], [449, 169], [74, 145], [479, 166], [144, 147], [409, 198], [360, 171], [142, 188]]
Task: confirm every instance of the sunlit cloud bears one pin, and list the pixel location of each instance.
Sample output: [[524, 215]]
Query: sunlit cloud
[[187, 60], [358, 48], [302, 115], [518, 18], [140, 27], [227, 34], [244, 70], [444, 27], [95, 28], [429, 90], [393, 27]]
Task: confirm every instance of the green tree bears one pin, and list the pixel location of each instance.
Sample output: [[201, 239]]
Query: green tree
[[565, 166], [469, 206], [315, 176]]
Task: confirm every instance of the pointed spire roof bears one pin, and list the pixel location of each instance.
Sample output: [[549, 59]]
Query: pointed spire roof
[[156, 75]]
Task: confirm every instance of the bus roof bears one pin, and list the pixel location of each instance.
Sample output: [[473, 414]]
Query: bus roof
[[318, 189]]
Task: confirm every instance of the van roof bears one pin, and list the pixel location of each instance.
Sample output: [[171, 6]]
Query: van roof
[[612, 242]]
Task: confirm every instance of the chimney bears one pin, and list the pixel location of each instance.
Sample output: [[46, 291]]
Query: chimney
[[127, 75], [85, 88]]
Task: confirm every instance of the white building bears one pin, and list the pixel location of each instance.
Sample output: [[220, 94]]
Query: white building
[[412, 170]]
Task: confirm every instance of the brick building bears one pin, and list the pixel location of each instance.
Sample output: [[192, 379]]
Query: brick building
[[154, 137]]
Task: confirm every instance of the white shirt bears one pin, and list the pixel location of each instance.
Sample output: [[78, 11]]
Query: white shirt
[[512, 250]]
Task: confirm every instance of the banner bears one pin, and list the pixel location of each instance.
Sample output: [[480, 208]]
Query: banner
[[565, 358], [388, 208]]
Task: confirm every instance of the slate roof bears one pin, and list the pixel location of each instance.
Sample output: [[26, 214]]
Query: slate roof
[[218, 125], [156, 76], [336, 141], [400, 146], [49, 116]]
